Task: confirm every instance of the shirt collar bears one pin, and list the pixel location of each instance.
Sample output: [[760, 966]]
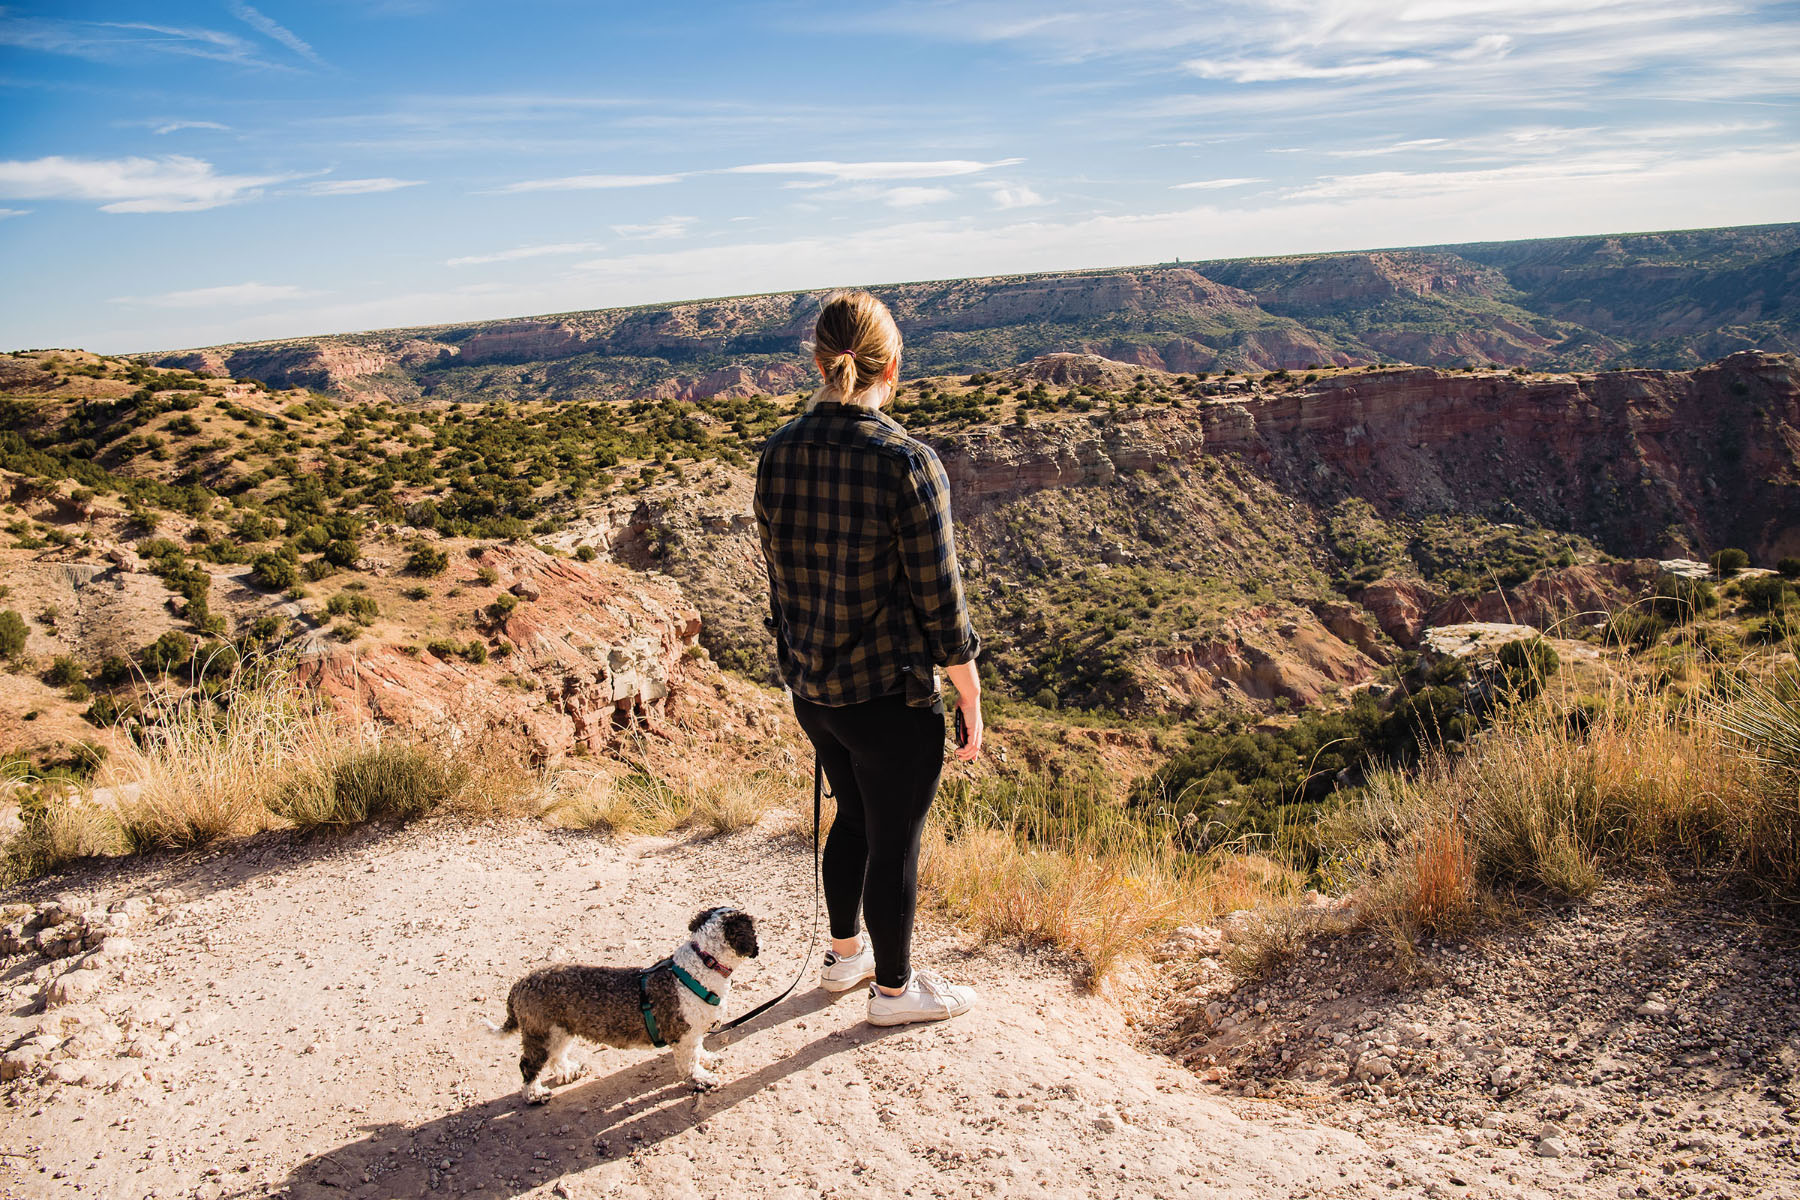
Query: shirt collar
[[837, 408]]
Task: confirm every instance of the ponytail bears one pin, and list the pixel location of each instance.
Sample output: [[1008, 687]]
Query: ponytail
[[840, 375], [855, 343]]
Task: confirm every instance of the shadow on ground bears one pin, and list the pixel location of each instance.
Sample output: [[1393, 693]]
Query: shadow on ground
[[505, 1147]]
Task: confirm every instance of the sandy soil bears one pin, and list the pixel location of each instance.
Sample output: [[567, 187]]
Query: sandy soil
[[310, 1019]]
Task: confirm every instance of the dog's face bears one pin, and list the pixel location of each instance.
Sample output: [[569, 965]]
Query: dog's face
[[736, 929]]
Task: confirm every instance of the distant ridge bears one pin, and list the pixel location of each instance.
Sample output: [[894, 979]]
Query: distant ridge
[[1672, 299]]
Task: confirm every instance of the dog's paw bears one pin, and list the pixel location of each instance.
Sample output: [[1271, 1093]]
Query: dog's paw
[[535, 1093], [566, 1073], [703, 1080], [708, 1058]]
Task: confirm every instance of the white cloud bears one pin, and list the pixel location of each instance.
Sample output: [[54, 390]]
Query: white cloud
[[359, 187], [233, 294], [1017, 195], [104, 41], [13, 212], [668, 227], [1213, 185], [862, 172], [582, 183], [172, 183], [519, 252], [279, 33], [913, 197], [178, 126]]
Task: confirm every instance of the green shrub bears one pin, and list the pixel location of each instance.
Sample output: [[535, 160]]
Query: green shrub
[[167, 652], [427, 560], [13, 634], [488, 576], [1729, 561], [503, 604], [64, 670], [1680, 599], [1635, 629], [1766, 593], [343, 552], [588, 554], [1525, 664], [274, 572], [1789, 567]]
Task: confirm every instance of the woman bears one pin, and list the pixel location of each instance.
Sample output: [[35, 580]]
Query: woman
[[865, 602]]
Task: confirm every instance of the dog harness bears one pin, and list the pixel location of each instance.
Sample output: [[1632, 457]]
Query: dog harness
[[693, 985]]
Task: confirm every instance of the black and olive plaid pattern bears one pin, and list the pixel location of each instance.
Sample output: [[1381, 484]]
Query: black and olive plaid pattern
[[864, 595]]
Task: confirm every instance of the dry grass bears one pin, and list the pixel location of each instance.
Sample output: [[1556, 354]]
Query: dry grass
[[259, 753], [1551, 804], [709, 798], [1059, 862]]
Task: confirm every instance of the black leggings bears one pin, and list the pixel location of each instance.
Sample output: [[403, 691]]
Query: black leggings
[[883, 759]]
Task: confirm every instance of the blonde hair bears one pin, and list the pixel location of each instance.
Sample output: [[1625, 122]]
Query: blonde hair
[[855, 341]]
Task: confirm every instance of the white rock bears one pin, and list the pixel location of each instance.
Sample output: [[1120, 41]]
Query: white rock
[[1552, 1148], [20, 1062], [73, 988], [1653, 1008], [1379, 1066]]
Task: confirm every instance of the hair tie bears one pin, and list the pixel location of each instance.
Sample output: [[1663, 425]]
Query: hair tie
[[849, 354]]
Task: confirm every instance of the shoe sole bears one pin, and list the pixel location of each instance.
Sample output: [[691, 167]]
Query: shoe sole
[[844, 985], [917, 1018]]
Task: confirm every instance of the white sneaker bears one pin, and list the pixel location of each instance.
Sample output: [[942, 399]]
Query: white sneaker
[[841, 974], [927, 998]]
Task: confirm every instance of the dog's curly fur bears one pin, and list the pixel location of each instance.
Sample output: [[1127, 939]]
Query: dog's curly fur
[[552, 1007]]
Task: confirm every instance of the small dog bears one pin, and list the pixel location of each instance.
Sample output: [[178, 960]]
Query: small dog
[[553, 1006]]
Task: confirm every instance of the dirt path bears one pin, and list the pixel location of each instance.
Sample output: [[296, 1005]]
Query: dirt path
[[310, 1021]]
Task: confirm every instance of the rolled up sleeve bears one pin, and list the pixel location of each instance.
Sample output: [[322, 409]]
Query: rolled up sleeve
[[928, 558]]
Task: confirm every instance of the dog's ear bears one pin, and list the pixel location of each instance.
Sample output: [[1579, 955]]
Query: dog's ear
[[740, 934], [702, 918]]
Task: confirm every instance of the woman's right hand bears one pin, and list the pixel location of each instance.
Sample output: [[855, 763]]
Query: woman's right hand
[[970, 708], [968, 703]]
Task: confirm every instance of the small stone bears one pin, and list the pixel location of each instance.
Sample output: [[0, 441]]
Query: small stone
[[17, 1063], [73, 988], [1500, 1074], [1493, 1121], [1552, 1148], [1378, 1067], [118, 946], [1653, 1008]]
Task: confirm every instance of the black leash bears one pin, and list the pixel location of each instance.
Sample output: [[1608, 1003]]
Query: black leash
[[813, 941]]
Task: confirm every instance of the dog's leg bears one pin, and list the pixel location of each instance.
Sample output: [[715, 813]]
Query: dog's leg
[[687, 1061], [562, 1069], [534, 1051]]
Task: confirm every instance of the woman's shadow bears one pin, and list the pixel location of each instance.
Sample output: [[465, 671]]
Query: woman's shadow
[[505, 1147]]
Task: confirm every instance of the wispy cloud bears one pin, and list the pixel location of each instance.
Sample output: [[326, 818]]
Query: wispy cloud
[[233, 294], [519, 252], [655, 231], [178, 126], [105, 41], [584, 183], [863, 172], [913, 197], [13, 212], [172, 183], [280, 33], [359, 187], [1214, 185]]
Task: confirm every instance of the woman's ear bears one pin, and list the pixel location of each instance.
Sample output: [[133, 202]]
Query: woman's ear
[[892, 371]]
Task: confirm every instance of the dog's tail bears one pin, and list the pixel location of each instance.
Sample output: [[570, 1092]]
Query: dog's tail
[[512, 1021]]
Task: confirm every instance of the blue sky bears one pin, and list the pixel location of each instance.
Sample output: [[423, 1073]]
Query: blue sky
[[176, 174]]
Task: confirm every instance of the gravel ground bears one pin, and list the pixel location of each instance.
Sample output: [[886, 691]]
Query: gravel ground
[[309, 1019], [1643, 1043]]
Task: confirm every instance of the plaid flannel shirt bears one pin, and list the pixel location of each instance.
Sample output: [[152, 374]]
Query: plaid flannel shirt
[[865, 598]]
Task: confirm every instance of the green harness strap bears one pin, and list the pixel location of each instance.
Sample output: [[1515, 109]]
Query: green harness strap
[[693, 985]]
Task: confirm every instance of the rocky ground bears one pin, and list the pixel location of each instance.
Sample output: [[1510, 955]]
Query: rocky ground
[[309, 1018], [1645, 1043]]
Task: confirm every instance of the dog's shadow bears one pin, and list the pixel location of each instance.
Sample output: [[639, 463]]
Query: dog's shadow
[[505, 1147]]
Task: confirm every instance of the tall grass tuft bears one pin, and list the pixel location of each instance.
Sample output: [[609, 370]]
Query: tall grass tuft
[[204, 767], [1059, 861], [1553, 804], [711, 799]]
